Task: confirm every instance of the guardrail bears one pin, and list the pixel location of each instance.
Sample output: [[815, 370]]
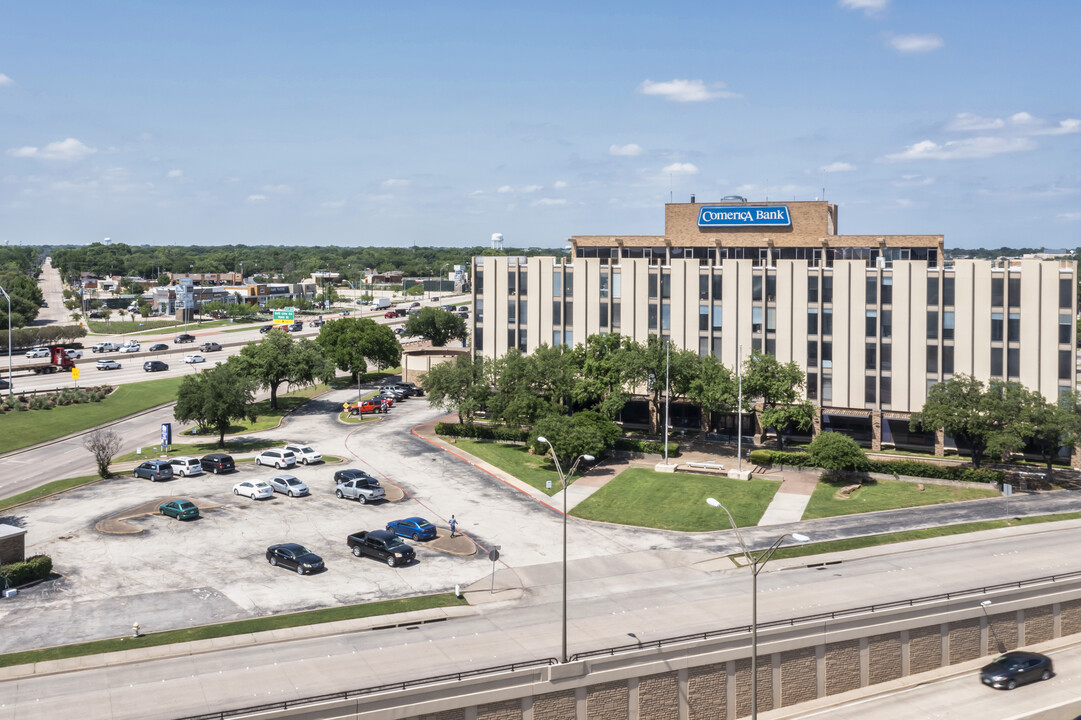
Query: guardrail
[[653, 644]]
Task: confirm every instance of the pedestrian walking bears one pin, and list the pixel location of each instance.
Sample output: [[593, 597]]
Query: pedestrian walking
[[453, 525]]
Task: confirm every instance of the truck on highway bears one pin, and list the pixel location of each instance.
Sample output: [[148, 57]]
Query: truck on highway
[[106, 347], [58, 361], [380, 304]]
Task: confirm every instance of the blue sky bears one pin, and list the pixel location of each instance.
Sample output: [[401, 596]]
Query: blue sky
[[357, 123]]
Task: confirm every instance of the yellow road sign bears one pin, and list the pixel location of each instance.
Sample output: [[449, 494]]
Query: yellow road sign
[[75, 373]]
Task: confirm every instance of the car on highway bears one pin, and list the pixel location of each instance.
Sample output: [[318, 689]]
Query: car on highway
[[210, 347], [73, 354], [183, 338], [319, 322], [344, 313], [38, 352], [218, 463], [108, 365], [390, 314], [180, 509], [105, 347], [288, 485], [434, 299], [266, 328], [381, 545], [399, 331], [154, 366], [414, 304], [193, 358], [131, 348], [186, 466], [305, 454], [1016, 668], [154, 470], [448, 308], [277, 457], [292, 556], [5, 385], [157, 347], [414, 528], [463, 308], [254, 489]]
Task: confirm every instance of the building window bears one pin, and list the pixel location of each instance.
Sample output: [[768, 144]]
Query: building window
[[568, 312], [652, 285], [812, 353], [1015, 292], [603, 315], [885, 391], [703, 346], [827, 291], [1065, 364], [885, 357], [616, 308], [812, 288], [947, 359], [568, 284], [887, 324], [717, 286], [869, 383], [932, 358], [716, 347], [872, 323], [1065, 293], [827, 321], [827, 354], [870, 357], [756, 288], [703, 317], [932, 324], [996, 327], [557, 283], [510, 338], [512, 281], [512, 309], [604, 285], [996, 362], [887, 291], [703, 287], [652, 316], [666, 317], [947, 291], [771, 319], [771, 346], [827, 389], [521, 339], [947, 325], [666, 286], [1013, 362], [568, 338], [557, 312], [812, 321], [1013, 327], [718, 315], [872, 289], [756, 343], [771, 288], [557, 338], [523, 282], [1065, 326], [478, 281], [996, 292], [756, 319], [812, 386], [932, 289], [617, 286]]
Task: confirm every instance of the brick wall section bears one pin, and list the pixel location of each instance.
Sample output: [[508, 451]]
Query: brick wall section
[[706, 692], [458, 714], [964, 640], [842, 667], [1039, 625], [658, 696], [1070, 616], [506, 710], [799, 678], [924, 649], [742, 684], [13, 548], [554, 706], [1005, 626], [884, 656], [607, 701]]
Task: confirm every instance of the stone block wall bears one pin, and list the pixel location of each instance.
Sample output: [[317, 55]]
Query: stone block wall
[[884, 657], [799, 676], [842, 665], [658, 696], [964, 640], [707, 692], [607, 701]]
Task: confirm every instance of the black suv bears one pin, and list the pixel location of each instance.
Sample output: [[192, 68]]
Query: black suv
[[350, 474], [184, 338], [218, 463], [154, 366]]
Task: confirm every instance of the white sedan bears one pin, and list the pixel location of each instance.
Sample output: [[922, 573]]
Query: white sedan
[[255, 489], [38, 352], [193, 358], [131, 348]]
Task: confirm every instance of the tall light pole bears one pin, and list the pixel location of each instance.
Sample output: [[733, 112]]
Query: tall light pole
[[563, 480], [441, 277], [756, 563], [667, 379], [10, 390], [739, 407]]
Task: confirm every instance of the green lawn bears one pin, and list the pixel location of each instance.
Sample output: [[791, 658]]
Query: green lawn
[[21, 429], [129, 327], [885, 495], [47, 489], [345, 417], [267, 418], [275, 622], [677, 501], [516, 460]]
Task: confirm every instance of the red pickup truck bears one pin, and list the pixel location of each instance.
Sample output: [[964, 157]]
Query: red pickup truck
[[368, 406]]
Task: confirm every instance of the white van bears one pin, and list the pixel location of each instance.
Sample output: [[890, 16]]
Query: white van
[[186, 466]]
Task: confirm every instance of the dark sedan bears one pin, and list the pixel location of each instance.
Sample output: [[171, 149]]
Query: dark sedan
[[414, 528], [266, 328], [157, 347], [184, 338], [1016, 668], [294, 557]]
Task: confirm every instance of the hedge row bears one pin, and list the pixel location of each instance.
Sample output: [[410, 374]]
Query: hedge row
[[512, 434], [911, 468], [35, 567], [650, 447]]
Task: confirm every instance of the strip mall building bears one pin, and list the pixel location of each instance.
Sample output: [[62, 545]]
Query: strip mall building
[[874, 321]]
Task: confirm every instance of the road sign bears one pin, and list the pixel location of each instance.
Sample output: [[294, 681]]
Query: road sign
[[284, 317], [493, 554], [75, 373], [166, 434]]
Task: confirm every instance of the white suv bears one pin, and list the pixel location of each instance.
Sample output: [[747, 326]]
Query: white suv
[[278, 458], [305, 454], [186, 466]]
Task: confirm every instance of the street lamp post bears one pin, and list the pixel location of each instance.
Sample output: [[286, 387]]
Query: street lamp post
[[983, 606], [10, 385], [563, 480], [756, 563]]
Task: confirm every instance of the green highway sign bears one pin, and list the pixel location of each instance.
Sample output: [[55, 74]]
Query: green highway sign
[[285, 316]]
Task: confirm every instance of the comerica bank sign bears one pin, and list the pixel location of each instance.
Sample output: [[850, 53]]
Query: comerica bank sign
[[744, 216]]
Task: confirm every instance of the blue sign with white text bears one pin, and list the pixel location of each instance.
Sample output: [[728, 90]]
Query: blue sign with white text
[[166, 434], [744, 216]]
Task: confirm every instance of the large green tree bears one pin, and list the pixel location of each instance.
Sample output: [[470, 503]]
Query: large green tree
[[437, 326], [461, 384], [604, 373], [779, 387], [1052, 426], [278, 359], [26, 299], [516, 397], [661, 368], [584, 433], [354, 343], [713, 389], [215, 398]]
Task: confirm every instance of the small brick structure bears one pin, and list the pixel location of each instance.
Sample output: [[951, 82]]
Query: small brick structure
[[12, 544]]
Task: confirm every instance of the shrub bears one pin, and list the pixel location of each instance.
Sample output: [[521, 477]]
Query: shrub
[[761, 457], [36, 567], [910, 468], [482, 432], [650, 447], [835, 451]]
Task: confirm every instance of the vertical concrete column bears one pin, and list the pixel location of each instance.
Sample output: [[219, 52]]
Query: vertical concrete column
[[730, 685], [684, 712], [944, 634], [876, 430], [865, 662], [940, 443], [527, 707], [775, 665], [1020, 628], [759, 431], [1056, 620], [581, 708], [984, 636], [632, 699], [817, 421], [820, 670], [905, 664]]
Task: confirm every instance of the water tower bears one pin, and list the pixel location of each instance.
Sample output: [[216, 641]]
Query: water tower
[[497, 241]]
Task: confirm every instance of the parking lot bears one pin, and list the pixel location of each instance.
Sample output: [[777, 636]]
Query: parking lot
[[182, 573]]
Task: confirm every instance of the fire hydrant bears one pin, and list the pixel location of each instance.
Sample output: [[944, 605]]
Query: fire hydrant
[[135, 630]]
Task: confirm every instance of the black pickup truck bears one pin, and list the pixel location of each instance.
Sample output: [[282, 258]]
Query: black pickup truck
[[381, 545]]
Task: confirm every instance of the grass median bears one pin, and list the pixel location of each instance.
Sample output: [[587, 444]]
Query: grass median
[[51, 488], [828, 500], [536, 470], [22, 429], [241, 627], [265, 418]]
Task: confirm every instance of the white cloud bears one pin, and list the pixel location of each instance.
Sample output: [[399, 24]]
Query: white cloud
[[978, 147], [1065, 127], [175, 173], [834, 167], [532, 188], [69, 149], [1069, 216], [476, 193], [965, 122], [628, 150], [686, 90], [916, 43], [680, 169], [1020, 122], [549, 201], [256, 198], [868, 6], [505, 189], [559, 184], [332, 204], [394, 182], [5, 81]]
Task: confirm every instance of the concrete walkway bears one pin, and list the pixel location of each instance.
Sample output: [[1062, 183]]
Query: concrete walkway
[[790, 500]]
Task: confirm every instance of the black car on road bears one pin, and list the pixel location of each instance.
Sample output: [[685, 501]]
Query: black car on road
[[154, 366], [158, 347], [1016, 668], [184, 338], [218, 463], [350, 474], [294, 557], [266, 328]]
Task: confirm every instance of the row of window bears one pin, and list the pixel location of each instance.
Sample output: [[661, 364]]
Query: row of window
[[874, 257]]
